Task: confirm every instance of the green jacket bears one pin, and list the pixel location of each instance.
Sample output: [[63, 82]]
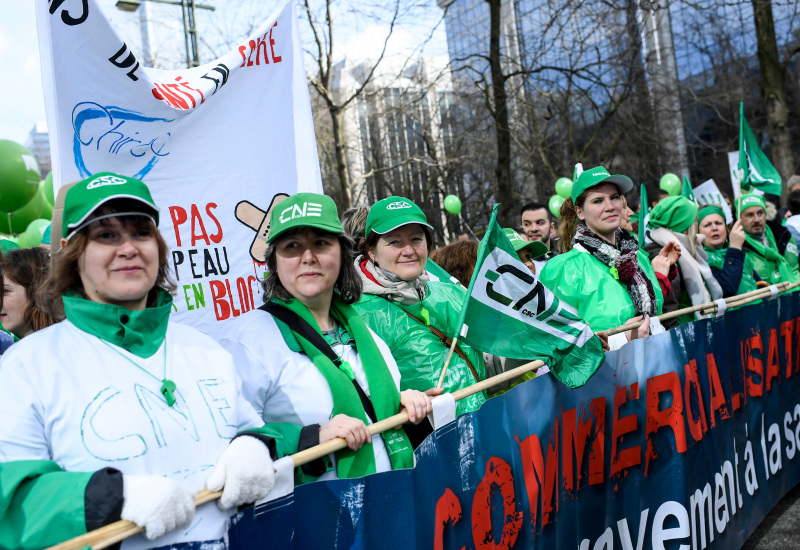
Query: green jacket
[[42, 505], [585, 283], [716, 260], [419, 353]]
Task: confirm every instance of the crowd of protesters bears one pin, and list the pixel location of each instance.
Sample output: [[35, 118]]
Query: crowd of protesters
[[357, 324]]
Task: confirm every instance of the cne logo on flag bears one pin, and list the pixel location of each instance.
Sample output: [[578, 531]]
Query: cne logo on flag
[[505, 284], [398, 205], [310, 209], [102, 181]]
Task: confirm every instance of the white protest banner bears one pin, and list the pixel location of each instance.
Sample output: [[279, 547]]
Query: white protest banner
[[708, 193], [204, 140]]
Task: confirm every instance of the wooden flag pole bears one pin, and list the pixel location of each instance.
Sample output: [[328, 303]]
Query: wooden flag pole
[[447, 362]]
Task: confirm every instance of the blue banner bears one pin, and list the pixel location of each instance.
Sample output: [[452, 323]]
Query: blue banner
[[682, 440]]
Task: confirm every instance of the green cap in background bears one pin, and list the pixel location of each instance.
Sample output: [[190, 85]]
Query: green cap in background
[[676, 213], [304, 210], [750, 199], [7, 246], [596, 176], [536, 248], [392, 212], [709, 209], [46, 236], [90, 194]]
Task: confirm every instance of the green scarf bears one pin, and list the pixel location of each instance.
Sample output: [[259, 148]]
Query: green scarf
[[779, 268], [383, 393], [140, 332]]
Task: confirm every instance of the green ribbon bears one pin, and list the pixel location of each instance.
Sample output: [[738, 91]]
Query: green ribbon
[[383, 393], [140, 332]]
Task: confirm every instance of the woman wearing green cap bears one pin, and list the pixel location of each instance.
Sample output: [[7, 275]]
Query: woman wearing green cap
[[414, 315], [731, 267], [673, 221], [309, 364], [115, 412], [602, 273]]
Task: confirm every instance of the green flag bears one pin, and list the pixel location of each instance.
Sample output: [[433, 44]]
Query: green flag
[[508, 312], [686, 190], [755, 169], [644, 215], [435, 271]]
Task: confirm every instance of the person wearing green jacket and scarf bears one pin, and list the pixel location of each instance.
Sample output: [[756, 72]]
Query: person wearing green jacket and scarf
[[414, 315], [116, 412], [733, 269], [309, 364], [673, 221], [601, 272], [775, 260]]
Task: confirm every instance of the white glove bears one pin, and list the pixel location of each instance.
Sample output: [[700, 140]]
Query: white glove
[[156, 503], [243, 473]]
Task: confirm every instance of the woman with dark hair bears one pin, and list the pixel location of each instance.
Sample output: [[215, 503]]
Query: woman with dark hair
[[602, 273], [24, 270], [309, 364], [115, 412], [457, 259], [413, 314]]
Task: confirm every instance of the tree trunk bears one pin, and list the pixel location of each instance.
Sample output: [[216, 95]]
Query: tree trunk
[[340, 155], [503, 168], [772, 80]]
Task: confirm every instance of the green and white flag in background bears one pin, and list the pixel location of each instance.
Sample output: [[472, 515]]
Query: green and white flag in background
[[755, 169], [508, 312], [644, 216], [686, 189]]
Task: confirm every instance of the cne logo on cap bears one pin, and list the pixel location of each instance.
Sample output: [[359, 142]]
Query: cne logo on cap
[[398, 205], [102, 181], [297, 211]]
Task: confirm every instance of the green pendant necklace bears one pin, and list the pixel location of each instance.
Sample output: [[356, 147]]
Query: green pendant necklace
[[168, 387]]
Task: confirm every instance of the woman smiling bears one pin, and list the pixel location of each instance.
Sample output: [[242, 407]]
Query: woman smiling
[[415, 316], [309, 364], [108, 414]]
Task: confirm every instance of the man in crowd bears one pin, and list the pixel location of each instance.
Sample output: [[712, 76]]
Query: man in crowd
[[538, 225], [771, 246], [793, 214]]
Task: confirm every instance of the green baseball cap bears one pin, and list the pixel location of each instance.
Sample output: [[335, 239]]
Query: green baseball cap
[[392, 212], [46, 235], [304, 210], [596, 176], [86, 196], [536, 248], [750, 199], [7, 246]]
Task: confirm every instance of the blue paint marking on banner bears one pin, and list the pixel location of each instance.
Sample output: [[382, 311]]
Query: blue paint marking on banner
[[686, 438]]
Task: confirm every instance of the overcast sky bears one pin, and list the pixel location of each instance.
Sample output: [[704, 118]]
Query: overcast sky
[[21, 96]]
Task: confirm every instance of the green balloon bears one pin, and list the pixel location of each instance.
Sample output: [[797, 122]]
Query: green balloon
[[670, 183], [555, 205], [49, 195], [21, 240], [47, 206], [33, 234], [19, 175], [452, 204], [19, 219], [564, 187]]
